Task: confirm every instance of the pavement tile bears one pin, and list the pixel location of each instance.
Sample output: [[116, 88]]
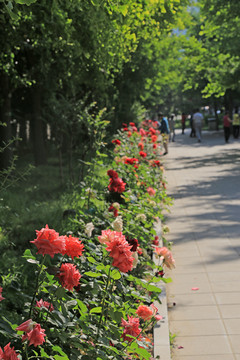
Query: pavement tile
[[224, 276], [193, 299], [197, 327], [235, 342], [203, 345], [183, 283], [194, 313], [206, 357], [232, 326], [229, 286], [228, 263], [228, 298], [230, 311]]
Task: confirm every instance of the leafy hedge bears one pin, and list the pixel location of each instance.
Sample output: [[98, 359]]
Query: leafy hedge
[[89, 294]]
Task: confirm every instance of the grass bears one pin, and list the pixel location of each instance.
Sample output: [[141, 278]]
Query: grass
[[30, 203]]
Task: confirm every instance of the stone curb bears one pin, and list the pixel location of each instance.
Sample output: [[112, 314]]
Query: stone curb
[[161, 329]]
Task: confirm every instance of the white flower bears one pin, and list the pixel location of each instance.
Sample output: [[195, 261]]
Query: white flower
[[141, 217], [135, 259], [116, 205], [166, 229], [152, 202], [118, 224], [89, 229]]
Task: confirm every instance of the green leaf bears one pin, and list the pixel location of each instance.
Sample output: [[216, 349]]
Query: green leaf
[[115, 274], [44, 354], [59, 350], [153, 288], [91, 260], [92, 274], [166, 280], [25, 2], [83, 308], [96, 310], [28, 255], [60, 293]]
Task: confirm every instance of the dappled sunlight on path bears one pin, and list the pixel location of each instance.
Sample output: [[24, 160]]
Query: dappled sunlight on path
[[204, 181]]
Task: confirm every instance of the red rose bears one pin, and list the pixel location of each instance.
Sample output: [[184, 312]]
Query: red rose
[[131, 161], [44, 304], [74, 247], [142, 154], [152, 131], [133, 242], [114, 210], [151, 191], [116, 185], [131, 327], [26, 326], [69, 276], [154, 138], [120, 251], [36, 336], [142, 132], [144, 312], [116, 141], [112, 174], [49, 242], [1, 297], [8, 353]]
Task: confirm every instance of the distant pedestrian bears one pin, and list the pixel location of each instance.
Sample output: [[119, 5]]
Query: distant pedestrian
[[236, 123], [172, 127], [226, 125], [193, 132], [184, 118], [164, 129], [197, 124]]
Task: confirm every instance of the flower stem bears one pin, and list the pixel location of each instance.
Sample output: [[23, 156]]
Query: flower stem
[[36, 288], [103, 303]]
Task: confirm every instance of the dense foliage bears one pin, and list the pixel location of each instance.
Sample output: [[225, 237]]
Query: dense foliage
[[60, 56], [88, 294]]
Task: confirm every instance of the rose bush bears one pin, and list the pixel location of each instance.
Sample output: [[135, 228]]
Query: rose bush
[[90, 293]]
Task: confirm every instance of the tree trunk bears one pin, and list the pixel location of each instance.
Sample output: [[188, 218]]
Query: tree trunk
[[228, 102], [216, 114], [23, 131], [5, 118], [39, 145]]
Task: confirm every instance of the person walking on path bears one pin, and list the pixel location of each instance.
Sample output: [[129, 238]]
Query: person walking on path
[[226, 125], [236, 123], [172, 128], [193, 132], [164, 129], [184, 117], [197, 124]]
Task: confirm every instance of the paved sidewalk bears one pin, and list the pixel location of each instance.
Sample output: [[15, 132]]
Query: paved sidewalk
[[204, 180]]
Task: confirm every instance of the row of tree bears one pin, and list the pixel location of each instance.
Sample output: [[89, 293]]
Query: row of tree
[[62, 61], [58, 57]]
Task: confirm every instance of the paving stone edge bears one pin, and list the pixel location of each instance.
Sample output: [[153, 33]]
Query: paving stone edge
[[161, 329]]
